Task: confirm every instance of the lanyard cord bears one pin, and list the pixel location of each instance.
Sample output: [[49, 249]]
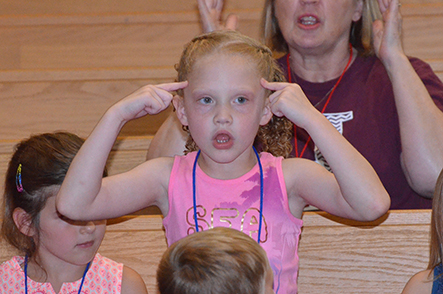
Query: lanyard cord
[[26, 275], [261, 192], [327, 101]]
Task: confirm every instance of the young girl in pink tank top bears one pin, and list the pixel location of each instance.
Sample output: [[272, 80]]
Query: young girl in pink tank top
[[230, 94], [59, 254]]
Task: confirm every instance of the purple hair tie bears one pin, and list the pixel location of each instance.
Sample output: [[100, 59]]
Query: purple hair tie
[[18, 178]]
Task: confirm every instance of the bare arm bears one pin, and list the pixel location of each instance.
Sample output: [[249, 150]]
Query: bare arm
[[420, 119], [353, 190], [132, 282], [84, 195]]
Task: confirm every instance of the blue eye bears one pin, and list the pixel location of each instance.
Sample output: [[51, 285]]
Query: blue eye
[[206, 100], [240, 100]]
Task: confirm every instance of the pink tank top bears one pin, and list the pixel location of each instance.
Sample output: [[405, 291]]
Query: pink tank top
[[104, 276], [235, 203]]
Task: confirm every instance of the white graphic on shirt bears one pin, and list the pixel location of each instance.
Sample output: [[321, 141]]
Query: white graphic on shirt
[[337, 120]]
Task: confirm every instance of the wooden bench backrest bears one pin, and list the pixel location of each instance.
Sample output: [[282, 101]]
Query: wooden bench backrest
[[336, 256]]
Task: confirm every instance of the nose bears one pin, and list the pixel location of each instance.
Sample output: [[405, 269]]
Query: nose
[[88, 228], [223, 115]]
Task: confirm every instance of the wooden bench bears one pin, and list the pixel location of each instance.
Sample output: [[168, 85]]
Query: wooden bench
[[336, 255]]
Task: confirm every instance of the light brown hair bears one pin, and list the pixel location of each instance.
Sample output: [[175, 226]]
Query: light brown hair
[[275, 137], [215, 261]]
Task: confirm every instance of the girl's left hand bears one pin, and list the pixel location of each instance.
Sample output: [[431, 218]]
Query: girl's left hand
[[290, 101], [387, 32]]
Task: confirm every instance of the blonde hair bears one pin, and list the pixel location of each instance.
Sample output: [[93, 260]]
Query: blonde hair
[[276, 136], [435, 257], [360, 32], [216, 261]]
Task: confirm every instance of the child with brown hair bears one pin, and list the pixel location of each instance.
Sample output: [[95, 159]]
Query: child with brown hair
[[59, 254]]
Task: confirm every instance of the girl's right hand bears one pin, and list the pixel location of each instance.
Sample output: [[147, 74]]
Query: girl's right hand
[[150, 99], [210, 14]]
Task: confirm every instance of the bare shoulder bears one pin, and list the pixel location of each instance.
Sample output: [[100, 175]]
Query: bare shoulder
[[132, 282], [420, 283]]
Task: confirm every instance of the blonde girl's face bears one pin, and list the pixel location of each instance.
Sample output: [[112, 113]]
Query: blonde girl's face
[[64, 241], [316, 24], [223, 105]]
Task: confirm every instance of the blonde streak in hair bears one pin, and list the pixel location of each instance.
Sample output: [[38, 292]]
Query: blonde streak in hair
[[371, 12], [266, 23]]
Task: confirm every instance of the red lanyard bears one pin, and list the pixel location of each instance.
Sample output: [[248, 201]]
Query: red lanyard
[[324, 107]]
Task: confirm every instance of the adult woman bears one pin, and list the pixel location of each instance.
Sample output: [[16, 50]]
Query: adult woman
[[386, 104]]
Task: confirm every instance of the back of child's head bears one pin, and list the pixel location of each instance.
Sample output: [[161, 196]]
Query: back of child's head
[[276, 136], [437, 225], [38, 164], [216, 261]]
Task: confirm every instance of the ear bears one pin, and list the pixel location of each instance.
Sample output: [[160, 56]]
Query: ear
[[180, 109], [23, 222], [358, 10], [266, 113]]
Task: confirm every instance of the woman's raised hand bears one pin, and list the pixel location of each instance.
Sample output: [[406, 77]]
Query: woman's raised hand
[[387, 31], [210, 13]]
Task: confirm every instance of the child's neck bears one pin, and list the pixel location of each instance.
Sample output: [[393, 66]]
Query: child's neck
[[55, 274], [226, 171]]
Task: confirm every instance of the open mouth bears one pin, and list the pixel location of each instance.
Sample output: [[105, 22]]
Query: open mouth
[[308, 20], [223, 141], [222, 138]]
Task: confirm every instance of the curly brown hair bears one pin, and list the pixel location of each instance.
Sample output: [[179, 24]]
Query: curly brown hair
[[275, 137]]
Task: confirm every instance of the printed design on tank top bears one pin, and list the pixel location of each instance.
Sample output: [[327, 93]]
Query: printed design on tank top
[[337, 120], [226, 217], [239, 215]]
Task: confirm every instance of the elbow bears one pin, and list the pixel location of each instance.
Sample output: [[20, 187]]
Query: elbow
[[379, 207], [61, 206], [64, 208]]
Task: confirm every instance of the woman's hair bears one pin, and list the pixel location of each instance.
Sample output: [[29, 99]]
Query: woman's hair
[[38, 164], [216, 261], [436, 225], [360, 35], [275, 137]]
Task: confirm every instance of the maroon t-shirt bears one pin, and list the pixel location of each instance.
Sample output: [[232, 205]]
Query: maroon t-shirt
[[363, 109]]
